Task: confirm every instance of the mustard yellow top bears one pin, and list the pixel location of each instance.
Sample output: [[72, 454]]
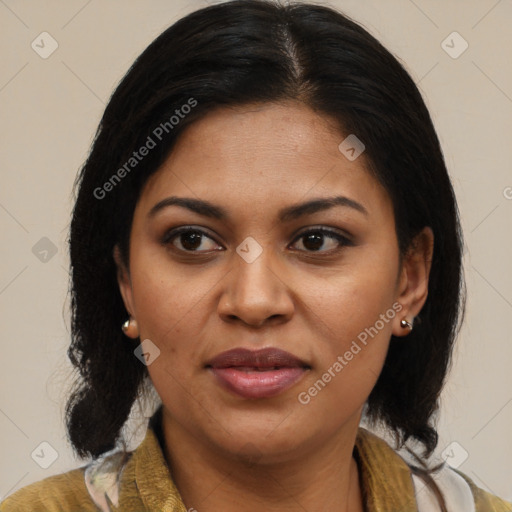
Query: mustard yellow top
[[146, 484]]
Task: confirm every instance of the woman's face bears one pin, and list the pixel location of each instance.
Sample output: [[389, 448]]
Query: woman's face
[[254, 270]]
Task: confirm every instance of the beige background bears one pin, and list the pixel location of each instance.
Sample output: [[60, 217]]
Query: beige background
[[50, 109]]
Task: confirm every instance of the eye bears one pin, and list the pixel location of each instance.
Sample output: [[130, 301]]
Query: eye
[[314, 240], [188, 239]]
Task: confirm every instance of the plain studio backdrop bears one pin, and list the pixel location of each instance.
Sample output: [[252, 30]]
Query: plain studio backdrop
[[62, 60]]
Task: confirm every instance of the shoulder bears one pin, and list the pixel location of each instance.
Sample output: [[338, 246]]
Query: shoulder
[[458, 491], [66, 491], [484, 501], [393, 470]]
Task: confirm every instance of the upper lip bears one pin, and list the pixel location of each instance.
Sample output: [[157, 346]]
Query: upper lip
[[262, 358]]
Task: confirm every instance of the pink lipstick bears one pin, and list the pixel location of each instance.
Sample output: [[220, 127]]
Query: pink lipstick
[[257, 373]]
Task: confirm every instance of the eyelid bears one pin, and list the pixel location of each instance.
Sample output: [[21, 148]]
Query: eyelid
[[172, 233], [326, 231], [343, 239]]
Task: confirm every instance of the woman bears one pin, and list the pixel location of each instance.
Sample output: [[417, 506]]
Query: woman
[[267, 214]]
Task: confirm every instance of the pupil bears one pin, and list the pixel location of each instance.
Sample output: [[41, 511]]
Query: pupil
[[316, 239], [193, 236]]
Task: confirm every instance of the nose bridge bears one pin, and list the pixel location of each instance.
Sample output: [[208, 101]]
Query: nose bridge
[[254, 290], [255, 268]]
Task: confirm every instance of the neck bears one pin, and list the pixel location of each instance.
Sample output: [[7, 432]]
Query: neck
[[322, 477]]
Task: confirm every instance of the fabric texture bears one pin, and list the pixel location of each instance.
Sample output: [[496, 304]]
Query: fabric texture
[[456, 491], [140, 481]]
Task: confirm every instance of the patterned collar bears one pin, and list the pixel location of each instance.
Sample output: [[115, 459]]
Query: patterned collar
[[125, 481]]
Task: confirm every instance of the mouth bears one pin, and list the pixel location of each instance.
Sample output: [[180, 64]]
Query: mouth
[[257, 373]]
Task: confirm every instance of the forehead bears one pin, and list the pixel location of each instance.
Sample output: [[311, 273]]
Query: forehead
[[263, 154], [261, 134]]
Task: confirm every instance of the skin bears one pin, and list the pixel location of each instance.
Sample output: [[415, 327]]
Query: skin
[[273, 453]]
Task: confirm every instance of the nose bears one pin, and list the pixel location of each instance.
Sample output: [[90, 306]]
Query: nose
[[255, 293]]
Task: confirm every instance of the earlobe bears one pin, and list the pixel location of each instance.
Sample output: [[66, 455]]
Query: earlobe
[[413, 283]]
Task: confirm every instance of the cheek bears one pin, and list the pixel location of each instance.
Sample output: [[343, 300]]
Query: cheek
[[168, 298], [354, 318], [167, 315], [352, 344], [170, 312], [356, 342], [353, 300]]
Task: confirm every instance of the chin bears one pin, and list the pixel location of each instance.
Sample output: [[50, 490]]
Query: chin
[[262, 440]]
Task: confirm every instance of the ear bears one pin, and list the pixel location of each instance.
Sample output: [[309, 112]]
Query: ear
[[413, 280], [124, 282]]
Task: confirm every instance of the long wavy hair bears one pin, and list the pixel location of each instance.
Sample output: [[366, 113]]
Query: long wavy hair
[[231, 54]]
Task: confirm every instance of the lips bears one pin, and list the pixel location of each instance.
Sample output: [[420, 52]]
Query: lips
[[257, 373]]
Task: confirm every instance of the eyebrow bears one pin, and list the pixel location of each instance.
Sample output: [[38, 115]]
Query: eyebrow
[[287, 214]]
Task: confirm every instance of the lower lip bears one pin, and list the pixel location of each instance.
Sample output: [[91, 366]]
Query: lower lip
[[258, 384]]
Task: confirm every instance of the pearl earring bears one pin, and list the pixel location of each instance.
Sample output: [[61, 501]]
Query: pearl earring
[[130, 328], [404, 324]]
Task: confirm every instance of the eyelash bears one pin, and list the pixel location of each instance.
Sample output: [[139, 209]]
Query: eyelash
[[343, 240]]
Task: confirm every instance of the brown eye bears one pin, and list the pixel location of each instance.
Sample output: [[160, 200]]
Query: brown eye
[[188, 240], [315, 239]]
